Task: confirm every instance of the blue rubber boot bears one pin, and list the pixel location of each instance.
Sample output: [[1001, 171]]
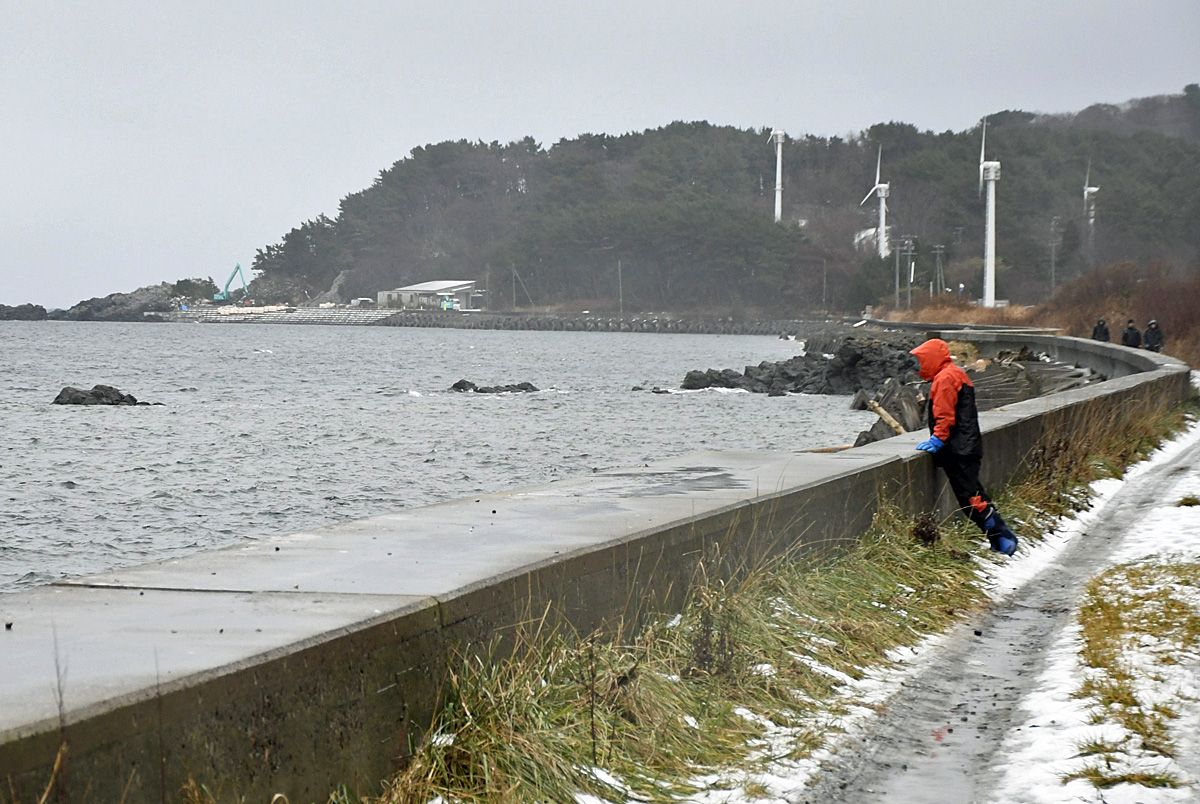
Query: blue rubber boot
[[1000, 537], [1006, 542]]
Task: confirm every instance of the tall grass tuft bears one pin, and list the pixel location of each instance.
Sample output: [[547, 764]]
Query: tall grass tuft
[[652, 715]]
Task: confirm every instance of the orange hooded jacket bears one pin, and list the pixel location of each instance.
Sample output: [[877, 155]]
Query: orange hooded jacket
[[952, 414]]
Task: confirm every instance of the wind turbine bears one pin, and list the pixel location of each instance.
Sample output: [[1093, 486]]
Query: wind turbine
[[778, 136], [989, 173], [881, 190], [1089, 210]]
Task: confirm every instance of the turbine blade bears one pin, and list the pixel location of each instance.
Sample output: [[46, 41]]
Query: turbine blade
[[1087, 179], [982, 150], [878, 165], [870, 193]]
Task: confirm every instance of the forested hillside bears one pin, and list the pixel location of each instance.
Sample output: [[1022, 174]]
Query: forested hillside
[[687, 210]]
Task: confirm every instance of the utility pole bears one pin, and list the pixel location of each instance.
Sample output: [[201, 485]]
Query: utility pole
[[939, 277], [910, 254], [514, 284], [1053, 252], [896, 251], [620, 291]]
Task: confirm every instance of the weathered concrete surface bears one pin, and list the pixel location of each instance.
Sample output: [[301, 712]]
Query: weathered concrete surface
[[297, 663], [303, 661]]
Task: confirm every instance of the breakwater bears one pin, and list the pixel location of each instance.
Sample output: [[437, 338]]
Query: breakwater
[[294, 663], [453, 319]]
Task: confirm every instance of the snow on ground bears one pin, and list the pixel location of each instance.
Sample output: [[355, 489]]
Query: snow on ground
[[1046, 746]]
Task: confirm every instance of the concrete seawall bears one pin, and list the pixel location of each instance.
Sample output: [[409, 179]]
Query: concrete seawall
[[300, 662]]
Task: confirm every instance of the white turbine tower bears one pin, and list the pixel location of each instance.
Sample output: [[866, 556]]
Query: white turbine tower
[[989, 173], [1089, 210], [778, 136], [881, 191]]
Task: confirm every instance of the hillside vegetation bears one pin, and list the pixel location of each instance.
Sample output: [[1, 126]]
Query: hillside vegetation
[[687, 211]]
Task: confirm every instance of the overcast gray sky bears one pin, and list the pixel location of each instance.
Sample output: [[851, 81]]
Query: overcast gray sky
[[148, 141]]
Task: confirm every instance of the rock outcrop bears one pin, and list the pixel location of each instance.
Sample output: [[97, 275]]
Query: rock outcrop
[[122, 306], [99, 395], [855, 363], [467, 385], [22, 312]]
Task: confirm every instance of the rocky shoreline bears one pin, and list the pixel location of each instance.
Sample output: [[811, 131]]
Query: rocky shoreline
[[23, 312], [855, 363]]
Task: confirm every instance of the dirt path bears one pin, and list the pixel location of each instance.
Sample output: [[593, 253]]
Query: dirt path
[[938, 741]]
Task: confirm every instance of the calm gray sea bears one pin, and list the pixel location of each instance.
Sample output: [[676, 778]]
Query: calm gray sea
[[268, 429]]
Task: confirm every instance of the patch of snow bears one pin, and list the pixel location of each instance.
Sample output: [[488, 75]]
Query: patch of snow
[[1036, 759]]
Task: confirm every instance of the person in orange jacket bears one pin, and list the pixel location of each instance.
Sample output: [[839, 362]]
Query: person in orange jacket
[[955, 441]]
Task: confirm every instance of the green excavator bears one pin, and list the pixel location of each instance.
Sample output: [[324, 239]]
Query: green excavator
[[223, 295]]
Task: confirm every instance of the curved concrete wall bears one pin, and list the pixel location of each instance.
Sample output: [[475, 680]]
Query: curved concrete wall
[[314, 659]]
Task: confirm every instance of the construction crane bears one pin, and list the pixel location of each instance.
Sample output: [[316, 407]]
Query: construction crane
[[223, 295]]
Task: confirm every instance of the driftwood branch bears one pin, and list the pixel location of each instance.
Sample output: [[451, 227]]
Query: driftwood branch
[[888, 418]]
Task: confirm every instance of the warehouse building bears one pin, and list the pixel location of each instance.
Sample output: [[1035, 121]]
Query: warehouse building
[[444, 294]]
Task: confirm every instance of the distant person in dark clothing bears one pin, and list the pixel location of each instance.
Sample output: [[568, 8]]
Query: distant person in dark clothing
[[1100, 331], [1130, 336], [956, 443], [1153, 339]]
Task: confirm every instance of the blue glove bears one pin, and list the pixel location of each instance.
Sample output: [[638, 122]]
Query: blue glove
[[931, 445]]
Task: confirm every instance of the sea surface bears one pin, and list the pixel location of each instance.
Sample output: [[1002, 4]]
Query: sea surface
[[267, 428]]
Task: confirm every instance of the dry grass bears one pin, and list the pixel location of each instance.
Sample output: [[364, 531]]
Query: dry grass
[[689, 696], [1135, 616]]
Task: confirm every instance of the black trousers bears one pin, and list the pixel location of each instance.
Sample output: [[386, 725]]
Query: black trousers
[[963, 473]]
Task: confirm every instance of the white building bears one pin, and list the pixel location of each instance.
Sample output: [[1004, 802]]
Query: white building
[[444, 294]]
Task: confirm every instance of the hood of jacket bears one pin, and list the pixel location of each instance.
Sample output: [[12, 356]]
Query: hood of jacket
[[932, 356]]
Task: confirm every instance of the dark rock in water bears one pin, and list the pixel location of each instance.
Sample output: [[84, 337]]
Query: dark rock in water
[[99, 395], [695, 380], [467, 385], [637, 388]]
